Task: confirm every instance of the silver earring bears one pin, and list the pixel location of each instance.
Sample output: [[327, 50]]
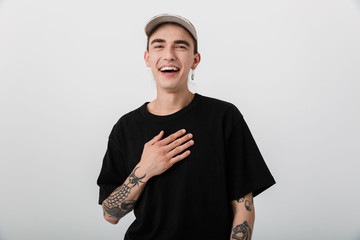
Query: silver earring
[[192, 74]]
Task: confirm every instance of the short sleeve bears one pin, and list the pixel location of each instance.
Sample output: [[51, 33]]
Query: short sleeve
[[114, 169], [246, 169]]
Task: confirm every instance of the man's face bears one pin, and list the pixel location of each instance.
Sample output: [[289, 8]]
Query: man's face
[[171, 56]]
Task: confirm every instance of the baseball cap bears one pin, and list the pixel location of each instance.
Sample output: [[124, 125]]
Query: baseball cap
[[169, 18]]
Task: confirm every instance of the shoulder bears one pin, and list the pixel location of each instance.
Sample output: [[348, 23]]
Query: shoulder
[[216, 102], [221, 107], [126, 119], [130, 116]]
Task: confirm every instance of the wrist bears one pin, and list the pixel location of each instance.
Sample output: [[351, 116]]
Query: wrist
[[143, 172]]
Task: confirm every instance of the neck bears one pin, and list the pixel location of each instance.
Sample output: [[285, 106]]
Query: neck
[[167, 103]]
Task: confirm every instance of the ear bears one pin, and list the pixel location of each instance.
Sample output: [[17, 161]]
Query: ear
[[146, 58], [197, 59]]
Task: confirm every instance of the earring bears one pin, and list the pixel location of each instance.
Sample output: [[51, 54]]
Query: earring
[[192, 74]]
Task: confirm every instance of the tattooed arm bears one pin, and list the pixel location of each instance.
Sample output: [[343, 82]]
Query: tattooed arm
[[244, 217], [122, 200], [158, 156]]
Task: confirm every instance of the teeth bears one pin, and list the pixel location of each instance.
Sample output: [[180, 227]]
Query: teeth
[[168, 69]]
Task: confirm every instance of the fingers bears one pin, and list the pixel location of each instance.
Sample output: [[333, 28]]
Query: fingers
[[161, 154], [156, 138], [179, 141], [181, 148], [172, 137], [178, 158]]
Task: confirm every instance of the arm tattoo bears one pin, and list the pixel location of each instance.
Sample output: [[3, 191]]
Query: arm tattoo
[[248, 205], [240, 200], [242, 232], [117, 205]]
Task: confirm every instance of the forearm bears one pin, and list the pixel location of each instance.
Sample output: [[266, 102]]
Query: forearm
[[244, 218], [123, 199]]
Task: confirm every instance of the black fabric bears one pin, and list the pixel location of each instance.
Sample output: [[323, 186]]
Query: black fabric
[[191, 200]]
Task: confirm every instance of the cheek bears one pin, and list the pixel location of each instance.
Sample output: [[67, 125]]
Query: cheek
[[189, 62], [153, 60], [153, 70]]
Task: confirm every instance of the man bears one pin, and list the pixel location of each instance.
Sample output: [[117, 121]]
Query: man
[[185, 163]]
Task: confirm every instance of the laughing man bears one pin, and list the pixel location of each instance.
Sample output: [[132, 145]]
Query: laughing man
[[186, 164]]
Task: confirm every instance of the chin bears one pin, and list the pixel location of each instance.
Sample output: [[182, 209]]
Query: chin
[[170, 86]]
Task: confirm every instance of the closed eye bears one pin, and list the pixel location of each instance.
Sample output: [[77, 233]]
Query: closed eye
[[181, 46]]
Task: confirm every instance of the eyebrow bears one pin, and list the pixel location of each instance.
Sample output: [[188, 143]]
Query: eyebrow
[[182, 42], [158, 40]]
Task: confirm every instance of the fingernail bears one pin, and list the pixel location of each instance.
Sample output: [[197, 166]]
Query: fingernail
[[183, 131]]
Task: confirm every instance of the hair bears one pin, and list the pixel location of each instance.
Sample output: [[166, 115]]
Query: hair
[[176, 24]]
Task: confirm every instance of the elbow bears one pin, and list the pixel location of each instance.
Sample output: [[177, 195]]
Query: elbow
[[111, 220], [108, 217]]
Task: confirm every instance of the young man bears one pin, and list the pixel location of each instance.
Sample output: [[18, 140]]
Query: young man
[[186, 163]]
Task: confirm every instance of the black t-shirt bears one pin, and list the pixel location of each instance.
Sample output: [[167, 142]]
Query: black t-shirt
[[191, 200]]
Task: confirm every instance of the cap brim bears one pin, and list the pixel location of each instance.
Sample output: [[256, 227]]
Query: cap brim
[[168, 18]]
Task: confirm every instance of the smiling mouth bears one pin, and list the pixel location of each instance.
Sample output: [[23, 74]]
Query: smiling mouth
[[169, 69]]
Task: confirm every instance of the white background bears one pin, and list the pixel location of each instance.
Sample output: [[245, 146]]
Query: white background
[[69, 69]]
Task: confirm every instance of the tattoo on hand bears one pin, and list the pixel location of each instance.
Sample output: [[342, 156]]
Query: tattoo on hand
[[116, 204], [242, 232]]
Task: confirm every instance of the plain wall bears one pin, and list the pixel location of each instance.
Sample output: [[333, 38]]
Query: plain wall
[[70, 69]]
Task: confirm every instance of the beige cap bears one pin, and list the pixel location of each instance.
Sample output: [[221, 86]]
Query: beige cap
[[169, 18]]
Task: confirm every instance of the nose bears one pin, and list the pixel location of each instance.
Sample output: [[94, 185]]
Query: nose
[[169, 54]]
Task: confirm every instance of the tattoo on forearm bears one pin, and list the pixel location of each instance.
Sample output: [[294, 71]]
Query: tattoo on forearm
[[116, 204], [242, 232], [128, 205], [240, 200], [248, 205]]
